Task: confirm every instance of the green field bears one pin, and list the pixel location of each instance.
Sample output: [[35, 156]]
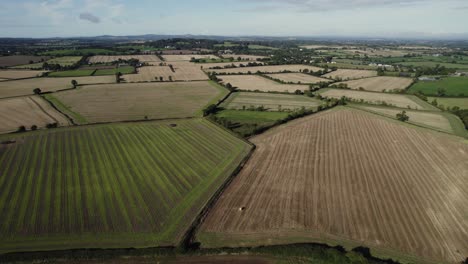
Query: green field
[[453, 86], [261, 47], [72, 73], [111, 186], [226, 44], [434, 64], [246, 122], [271, 102], [450, 102], [78, 52], [123, 70]]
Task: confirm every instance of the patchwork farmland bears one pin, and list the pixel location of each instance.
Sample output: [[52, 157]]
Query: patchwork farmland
[[258, 83], [207, 66], [28, 111], [137, 101], [111, 186], [398, 100], [26, 87], [243, 57], [347, 74], [15, 60], [268, 69], [271, 102], [379, 84], [62, 61], [402, 203], [297, 78]]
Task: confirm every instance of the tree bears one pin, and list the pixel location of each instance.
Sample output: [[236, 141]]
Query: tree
[[403, 117], [170, 78], [117, 77], [161, 78], [211, 109], [434, 102], [21, 129], [37, 91], [33, 127], [74, 83], [441, 91]]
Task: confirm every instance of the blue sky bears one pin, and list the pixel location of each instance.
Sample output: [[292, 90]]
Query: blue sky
[[387, 18]]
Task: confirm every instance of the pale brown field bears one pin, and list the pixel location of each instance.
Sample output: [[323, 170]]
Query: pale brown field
[[297, 78], [351, 178], [150, 59], [243, 57], [345, 74], [254, 82], [272, 102], [268, 69], [207, 66], [380, 84], [398, 100], [188, 57], [135, 101], [184, 71], [435, 120], [19, 74], [28, 111], [26, 87]]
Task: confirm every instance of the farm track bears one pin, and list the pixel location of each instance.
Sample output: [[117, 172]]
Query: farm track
[[344, 181]]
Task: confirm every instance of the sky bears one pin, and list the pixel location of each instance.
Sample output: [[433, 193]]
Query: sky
[[359, 18]]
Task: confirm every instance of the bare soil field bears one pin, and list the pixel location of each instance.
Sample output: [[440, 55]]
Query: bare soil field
[[28, 111], [351, 178], [269, 69], [188, 57], [273, 102], [26, 87], [258, 83], [183, 71], [9, 61], [207, 66], [298, 78], [243, 57], [380, 84], [150, 59], [345, 74], [138, 101], [19, 74], [398, 100]]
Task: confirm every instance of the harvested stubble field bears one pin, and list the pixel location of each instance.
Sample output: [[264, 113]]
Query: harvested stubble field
[[436, 120], [297, 78], [187, 57], [346, 74], [9, 61], [273, 102], [19, 74], [62, 61], [207, 66], [380, 84], [450, 102], [150, 59], [111, 186], [26, 87], [183, 72], [258, 83], [28, 111], [398, 100], [139, 101], [268, 69], [351, 178]]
